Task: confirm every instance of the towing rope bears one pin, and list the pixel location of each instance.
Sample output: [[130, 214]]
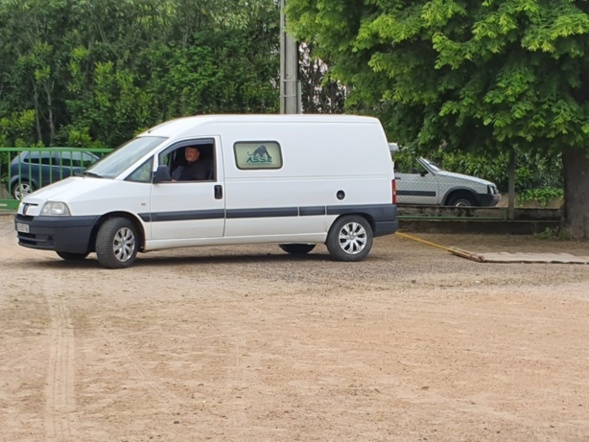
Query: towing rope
[[453, 250]]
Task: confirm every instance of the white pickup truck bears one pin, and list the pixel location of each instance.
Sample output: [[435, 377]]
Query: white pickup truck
[[426, 183]]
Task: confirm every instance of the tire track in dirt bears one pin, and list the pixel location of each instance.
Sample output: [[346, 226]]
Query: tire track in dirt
[[7, 235], [59, 411], [237, 379], [154, 387], [60, 406]]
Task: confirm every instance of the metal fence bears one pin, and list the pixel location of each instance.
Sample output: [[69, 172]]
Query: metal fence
[[24, 170]]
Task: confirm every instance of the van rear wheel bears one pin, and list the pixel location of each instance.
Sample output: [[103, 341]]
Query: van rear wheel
[[350, 238], [116, 243], [297, 249]]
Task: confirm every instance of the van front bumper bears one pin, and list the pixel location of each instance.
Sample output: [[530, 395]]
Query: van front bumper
[[60, 233]]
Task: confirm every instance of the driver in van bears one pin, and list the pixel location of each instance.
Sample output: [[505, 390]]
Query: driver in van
[[195, 168]]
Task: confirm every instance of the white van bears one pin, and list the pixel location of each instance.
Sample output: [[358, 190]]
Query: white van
[[292, 180]]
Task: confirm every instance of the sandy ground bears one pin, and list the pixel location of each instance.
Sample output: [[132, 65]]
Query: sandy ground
[[250, 344]]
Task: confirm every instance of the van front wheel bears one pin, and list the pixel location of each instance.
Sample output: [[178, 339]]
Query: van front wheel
[[350, 238], [116, 243]]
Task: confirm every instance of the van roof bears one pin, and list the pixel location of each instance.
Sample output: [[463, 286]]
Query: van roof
[[180, 125]]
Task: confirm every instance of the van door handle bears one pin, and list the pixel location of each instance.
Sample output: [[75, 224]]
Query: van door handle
[[218, 192]]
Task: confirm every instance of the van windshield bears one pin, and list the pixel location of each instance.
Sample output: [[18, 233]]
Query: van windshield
[[124, 157]]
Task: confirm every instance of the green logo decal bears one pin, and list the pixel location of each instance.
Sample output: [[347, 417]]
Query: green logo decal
[[260, 155]]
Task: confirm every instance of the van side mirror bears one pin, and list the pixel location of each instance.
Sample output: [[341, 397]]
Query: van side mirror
[[162, 174]]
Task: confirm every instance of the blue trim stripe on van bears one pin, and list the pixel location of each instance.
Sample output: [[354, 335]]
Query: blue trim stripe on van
[[271, 212], [313, 211], [378, 211], [185, 215]]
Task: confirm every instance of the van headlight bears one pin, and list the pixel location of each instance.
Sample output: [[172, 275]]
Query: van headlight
[[55, 208]]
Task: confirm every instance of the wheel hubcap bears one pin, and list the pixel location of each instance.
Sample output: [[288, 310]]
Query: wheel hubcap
[[124, 244], [22, 190], [352, 238]]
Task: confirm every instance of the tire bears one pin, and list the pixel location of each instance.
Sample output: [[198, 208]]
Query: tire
[[22, 189], [462, 201], [69, 256], [350, 238], [116, 243], [297, 249]]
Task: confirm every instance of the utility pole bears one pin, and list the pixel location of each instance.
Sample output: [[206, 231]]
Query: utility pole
[[290, 91]]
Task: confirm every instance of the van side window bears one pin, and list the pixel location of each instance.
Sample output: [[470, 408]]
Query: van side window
[[143, 173], [191, 161], [63, 159], [257, 155], [43, 158]]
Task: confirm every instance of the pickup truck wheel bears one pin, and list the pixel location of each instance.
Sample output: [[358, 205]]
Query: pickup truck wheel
[[22, 189], [297, 249], [462, 201], [350, 238], [69, 256], [116, 243]]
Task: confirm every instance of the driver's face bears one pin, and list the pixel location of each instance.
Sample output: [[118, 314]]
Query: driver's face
[[191, 154]]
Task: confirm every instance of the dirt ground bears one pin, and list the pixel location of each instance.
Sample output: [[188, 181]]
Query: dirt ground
[[250, 344]]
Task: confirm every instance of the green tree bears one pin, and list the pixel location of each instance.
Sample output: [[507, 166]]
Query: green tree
[[319, 93], [489, 75], [94, 73]]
